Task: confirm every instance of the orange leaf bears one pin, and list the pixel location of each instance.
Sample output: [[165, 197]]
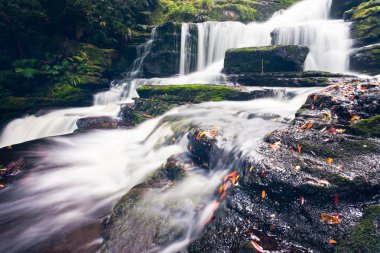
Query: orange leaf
[[321, 105], [332, 241], [315, 97], [330, 219], [292, 151], [275, 146], [299, 148], [263, 194], [329, 160]]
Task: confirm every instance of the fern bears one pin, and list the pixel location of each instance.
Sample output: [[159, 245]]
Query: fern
[[27, 72]]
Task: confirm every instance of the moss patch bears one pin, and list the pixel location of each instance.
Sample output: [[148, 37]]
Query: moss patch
[[363, 237], [369, 127], [196, 93]]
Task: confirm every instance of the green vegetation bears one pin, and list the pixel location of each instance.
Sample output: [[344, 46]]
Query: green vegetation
[[196, 93], [366, 22], [363, 237], [219, 10], [369, 127]]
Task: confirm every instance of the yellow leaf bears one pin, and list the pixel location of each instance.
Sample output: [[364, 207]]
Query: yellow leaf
[[330, 219], [251, 168], [329, 160]]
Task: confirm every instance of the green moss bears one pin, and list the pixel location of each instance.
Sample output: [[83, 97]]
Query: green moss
[[366, 22], [363, 237], [195, 93], [369, 127]]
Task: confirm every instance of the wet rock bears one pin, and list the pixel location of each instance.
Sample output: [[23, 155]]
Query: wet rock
[[14, 169], [309, 189], [365, 28], [202, 144], [163, 58], [97, 123], [265, 59], [366, 60], [133, 227], [339, 7], [287, 79]]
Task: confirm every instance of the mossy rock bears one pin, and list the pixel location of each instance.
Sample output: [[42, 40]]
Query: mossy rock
[[366, 60], [195, 93], [363, 237], [366, 23], [368, 127], [339, 7], [265, 59]]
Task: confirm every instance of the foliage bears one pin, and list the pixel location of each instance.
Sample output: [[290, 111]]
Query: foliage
[[370, 127], [363, 237]]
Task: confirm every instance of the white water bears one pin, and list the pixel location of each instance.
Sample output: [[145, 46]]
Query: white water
[[77, 179], [306, 23]]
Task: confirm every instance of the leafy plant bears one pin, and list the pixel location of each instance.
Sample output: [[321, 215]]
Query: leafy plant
[[27, 72]]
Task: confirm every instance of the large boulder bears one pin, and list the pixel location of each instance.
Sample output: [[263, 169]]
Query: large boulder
[[265, 59], [311, 185], [365, 28], [163, 57], [366, 59]]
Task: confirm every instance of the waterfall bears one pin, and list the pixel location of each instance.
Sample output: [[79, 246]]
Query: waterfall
[[306, 23], [202, 51]]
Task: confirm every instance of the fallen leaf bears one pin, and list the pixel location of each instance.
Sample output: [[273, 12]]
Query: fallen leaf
[[340, 131], [292, 151], [336, 199], [302, 200], [275, 146], [263, 194], [223, 196], [251, 168], [330, 219], [2, 186], [329, 160], [333, 130], [299, 148], [315, 97], [332, 241], [354, 118], [324, 129], [321, 105], [257, 247], [171, 183]]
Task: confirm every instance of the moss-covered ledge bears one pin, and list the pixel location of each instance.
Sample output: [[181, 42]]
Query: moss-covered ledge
[[363, 237]]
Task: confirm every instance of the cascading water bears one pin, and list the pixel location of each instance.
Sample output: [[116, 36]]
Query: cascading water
[[75, 180], [306, 23], [88, 172]]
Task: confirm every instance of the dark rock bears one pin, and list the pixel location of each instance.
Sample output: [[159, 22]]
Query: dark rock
[[265, 59], [366, 60], [163, 58], [365, 28], [133, 227], [339, 7], [295, 167], [97, 123], [287, 79]]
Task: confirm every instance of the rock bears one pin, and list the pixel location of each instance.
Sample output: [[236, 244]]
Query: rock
[[265, 59], [287, 79], [133, 227], [365, 28], [282, 200], [105, 122], [163, 58], [97, 123], [366, 60], [338, 7]]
